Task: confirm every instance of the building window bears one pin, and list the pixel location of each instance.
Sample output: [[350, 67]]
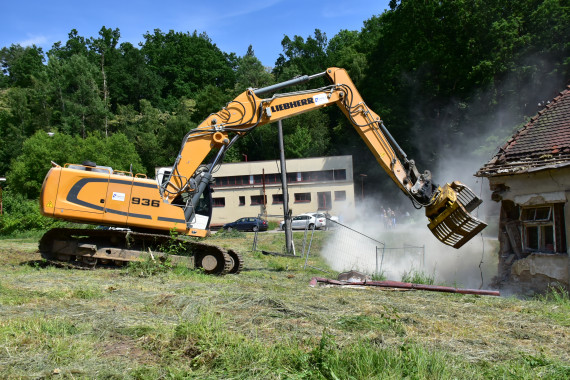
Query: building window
[[302, 197], [340, 195], [232, 181], [324, 198], [340, 175], [543, 228], [277, 199], [242, 200], [272, 178], [294, 177], [219, 202], [318, 176], [258, 200]]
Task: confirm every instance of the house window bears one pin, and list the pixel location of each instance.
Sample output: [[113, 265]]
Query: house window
[[543, 228], [258, 200], [277, 198], [242, 200], [340, 195], [302, 197], [219, 202]]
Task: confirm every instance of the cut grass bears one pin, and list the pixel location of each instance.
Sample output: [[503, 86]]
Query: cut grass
[[264, 323]]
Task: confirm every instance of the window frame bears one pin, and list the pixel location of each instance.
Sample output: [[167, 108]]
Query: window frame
[[539, 231], [257, 203], [277, 199], [302, 197], [221, 200], [340, 195]]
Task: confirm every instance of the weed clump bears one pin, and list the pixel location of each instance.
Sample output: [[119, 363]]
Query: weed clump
[[150, 266], [418, 277]]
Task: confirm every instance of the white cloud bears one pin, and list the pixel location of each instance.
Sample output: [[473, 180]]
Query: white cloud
[[34, 40]]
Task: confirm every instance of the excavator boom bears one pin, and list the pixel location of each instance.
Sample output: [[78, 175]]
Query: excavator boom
[[447, 208]]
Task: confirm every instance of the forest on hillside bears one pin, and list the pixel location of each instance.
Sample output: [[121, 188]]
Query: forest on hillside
[[445, 76]]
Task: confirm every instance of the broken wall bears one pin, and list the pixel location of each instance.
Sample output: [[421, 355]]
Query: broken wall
[[523, 265]]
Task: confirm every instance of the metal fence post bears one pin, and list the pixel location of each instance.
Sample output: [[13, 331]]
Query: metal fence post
[[304, 240], [376, 261], [254, 248], [309, 249]]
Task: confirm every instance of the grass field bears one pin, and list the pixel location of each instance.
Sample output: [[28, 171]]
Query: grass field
[[142, 322]]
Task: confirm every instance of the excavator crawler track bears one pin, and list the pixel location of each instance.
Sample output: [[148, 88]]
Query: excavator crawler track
[[91, 248]]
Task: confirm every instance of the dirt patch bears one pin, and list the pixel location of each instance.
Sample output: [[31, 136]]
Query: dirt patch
[[125, 348]]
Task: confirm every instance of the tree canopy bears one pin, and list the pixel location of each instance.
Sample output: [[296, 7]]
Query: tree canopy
[[438, 73]]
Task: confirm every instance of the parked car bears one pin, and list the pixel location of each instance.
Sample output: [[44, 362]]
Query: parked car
[[300, 222], [322, 219], [247, 224]]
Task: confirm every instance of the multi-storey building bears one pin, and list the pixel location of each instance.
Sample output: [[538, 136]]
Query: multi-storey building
[[254, 188]]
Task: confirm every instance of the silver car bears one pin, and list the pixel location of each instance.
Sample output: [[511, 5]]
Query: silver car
[[300, 222]]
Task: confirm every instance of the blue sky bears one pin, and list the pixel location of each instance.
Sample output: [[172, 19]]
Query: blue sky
[[232, 25]]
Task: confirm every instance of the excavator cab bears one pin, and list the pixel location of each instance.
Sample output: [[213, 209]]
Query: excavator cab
[[449, 215]]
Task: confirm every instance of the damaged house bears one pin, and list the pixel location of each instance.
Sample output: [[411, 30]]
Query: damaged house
[[530, 177]]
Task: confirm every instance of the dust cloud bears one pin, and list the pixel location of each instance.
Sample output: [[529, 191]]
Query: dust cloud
[[367, 244]]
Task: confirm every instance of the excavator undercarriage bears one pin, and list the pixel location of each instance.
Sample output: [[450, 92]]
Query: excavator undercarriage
[[89, 248]]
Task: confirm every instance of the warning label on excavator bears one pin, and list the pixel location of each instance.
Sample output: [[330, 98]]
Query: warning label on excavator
[[49, 204], [320, 99], [118, 197]]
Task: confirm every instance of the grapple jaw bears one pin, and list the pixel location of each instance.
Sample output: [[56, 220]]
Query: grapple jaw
[[449, 215]]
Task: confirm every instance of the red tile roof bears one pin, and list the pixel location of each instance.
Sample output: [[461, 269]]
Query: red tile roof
[[542, 143]]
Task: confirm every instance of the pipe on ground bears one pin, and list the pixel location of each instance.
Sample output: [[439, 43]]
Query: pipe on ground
[[406, 285]]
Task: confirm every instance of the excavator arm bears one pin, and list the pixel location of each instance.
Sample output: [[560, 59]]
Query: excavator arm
[[447, 208]]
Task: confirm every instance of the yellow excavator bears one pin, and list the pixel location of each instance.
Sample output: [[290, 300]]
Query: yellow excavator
[[143, 216]]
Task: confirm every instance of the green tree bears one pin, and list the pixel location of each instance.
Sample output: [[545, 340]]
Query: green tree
[[187, 62], [146, 129], [28, 170], [75, 45], [306, 135], [20, 65], [131, 79], [343, 51], [251, 73], [84, 108], [305, 56], [105, 47]]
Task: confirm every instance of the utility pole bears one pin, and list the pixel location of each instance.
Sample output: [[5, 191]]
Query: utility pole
[[286, 211], [2, 179], [362, 176]]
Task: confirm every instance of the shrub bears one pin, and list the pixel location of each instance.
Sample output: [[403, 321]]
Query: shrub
[[22, 216]]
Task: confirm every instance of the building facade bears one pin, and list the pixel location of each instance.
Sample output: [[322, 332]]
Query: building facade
[[254, 188], [530, 177]]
